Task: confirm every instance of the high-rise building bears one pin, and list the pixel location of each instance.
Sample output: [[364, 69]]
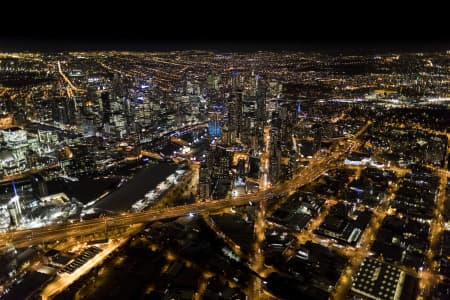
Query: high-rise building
[[214, 173], [235, 80], [213, 81], [227, 138], [318, 132], [274, 152], [89, 125], [214, 126], [15, 208], [204, 181], [235, 117], [254, 167], [220, 161], [275, 167], [90, 102], [14, 213], [64, 110], [260, 100], [117, 88], [128, 109], [106, 107], [240, 168]]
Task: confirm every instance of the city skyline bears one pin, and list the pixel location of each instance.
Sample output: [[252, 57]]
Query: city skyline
[[108, 42], [218, 173]]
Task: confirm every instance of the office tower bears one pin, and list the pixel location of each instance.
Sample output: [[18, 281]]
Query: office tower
[[227, 137], [274, 155], [248, 128], [240, 168], [220, 162], [235, 80], [90, 101], [14, 208], [214, 126], [204, 181], [275, 151], [235, 117], [106, 107], [318, 133], [254, 167], [261, 116], [260, 100], [71, 109], [64, 110], [117, 89]]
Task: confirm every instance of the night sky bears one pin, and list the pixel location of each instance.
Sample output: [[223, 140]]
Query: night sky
[[226, 26]]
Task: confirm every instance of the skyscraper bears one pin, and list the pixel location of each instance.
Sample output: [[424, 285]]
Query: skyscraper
[[117, 88], [260, 113], [64, 110], [106, 105], [240, 168], [275, 151], [235, 114], [318, 132], [214, 126], [235, 80], [14, 208], [260, 100], [204, 181]]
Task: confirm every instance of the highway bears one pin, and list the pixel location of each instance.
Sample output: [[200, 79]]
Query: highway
[[324, 162], [72, 87], [23, 238]]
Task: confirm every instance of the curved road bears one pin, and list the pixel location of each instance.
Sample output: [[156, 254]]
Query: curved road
[[23, 238]]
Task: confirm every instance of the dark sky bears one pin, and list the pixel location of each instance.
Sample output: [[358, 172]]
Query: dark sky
[[227, 26]]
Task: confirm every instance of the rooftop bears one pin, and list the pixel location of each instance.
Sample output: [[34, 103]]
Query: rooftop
[[378, 280]]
